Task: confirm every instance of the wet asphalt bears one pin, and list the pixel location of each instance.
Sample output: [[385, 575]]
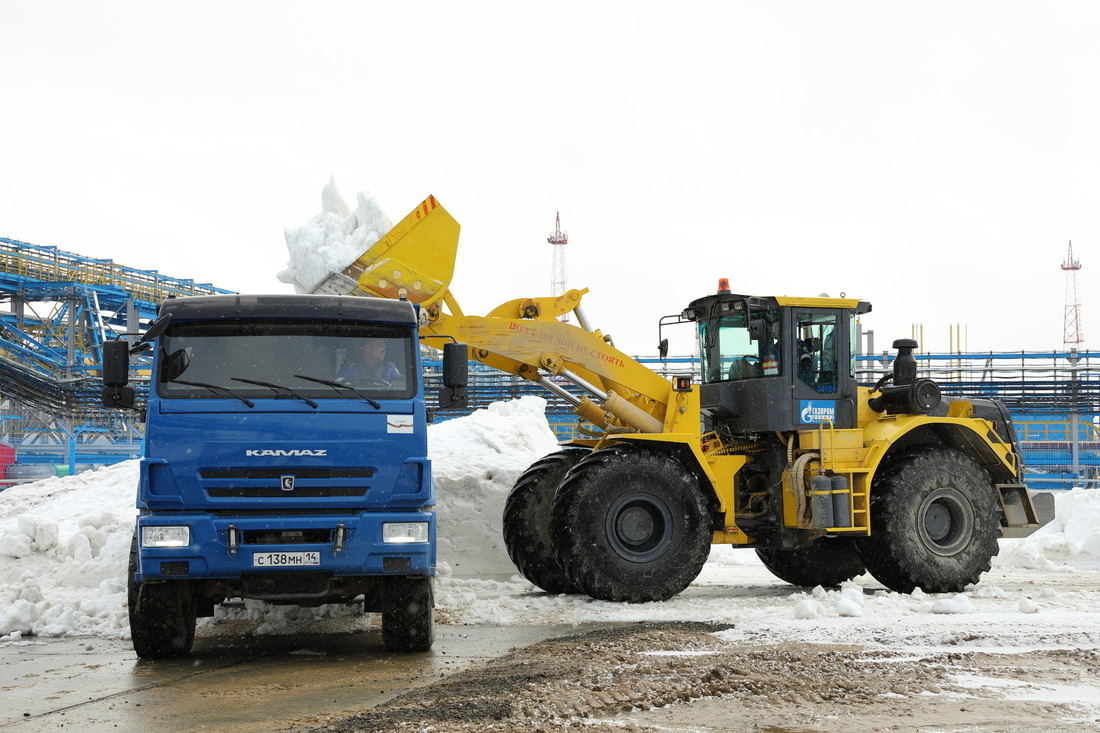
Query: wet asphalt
[[231, 683]]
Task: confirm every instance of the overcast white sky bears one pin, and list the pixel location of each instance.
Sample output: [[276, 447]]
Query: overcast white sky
[[933, 158]]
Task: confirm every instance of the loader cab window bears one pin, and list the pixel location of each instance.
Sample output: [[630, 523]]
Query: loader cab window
[[740, 346], [817, 350]]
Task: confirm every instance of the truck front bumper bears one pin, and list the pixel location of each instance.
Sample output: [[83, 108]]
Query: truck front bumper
[[352, 545]]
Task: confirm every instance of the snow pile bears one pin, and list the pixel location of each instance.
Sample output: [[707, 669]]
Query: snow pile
[[333, 239], [848, 601], [64, 546], [475, 461]]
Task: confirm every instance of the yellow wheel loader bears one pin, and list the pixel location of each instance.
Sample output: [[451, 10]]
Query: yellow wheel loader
[[779, 448]]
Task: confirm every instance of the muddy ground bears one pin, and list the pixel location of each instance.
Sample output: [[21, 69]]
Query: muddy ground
[[680, 676]]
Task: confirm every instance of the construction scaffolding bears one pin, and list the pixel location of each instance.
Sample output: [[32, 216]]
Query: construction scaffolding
[[58, 309]]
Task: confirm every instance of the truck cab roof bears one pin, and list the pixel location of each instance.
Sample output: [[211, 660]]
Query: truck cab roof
[[327, 307]]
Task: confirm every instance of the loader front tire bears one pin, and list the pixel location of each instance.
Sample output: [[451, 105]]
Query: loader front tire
[[827, 561], [527, 520], [630, 524], [935, 522], [162, 614]]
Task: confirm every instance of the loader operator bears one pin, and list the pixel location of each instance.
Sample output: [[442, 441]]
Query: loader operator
[[370, 365]]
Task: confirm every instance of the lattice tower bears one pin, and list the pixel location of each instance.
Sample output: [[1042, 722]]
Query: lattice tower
[[558, 279], [1073, 331]]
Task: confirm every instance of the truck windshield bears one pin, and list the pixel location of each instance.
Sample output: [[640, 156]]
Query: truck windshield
[[729, 353], [291, 359]]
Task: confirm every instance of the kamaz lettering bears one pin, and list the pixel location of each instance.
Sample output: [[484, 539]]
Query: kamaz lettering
[[280, 452]]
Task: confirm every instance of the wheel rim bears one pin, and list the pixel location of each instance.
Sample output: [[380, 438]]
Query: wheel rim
[[639, 526], [945, 522]]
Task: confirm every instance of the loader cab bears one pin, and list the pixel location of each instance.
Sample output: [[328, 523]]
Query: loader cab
[[776, 363]]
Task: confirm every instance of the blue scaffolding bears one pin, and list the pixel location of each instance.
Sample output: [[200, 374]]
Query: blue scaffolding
[[60, 308]]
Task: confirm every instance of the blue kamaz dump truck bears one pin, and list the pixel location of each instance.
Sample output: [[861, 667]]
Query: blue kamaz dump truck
[[285, 459]]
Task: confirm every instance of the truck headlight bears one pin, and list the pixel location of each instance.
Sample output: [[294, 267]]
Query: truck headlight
[[403, 532], [165, 536]]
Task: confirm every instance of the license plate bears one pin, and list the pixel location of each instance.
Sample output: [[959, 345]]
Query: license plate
[[285, 559]]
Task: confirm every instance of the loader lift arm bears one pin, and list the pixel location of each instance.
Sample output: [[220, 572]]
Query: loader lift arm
[[523, 337]]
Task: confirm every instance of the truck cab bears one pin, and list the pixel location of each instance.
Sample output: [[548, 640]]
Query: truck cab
[[284, 461]]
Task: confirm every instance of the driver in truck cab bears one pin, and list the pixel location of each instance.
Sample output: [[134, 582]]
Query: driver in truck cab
[[371, 363]]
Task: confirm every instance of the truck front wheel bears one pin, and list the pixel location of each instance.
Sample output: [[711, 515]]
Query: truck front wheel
[[408, 615], [162, 615], [935, 522], [631, 524]]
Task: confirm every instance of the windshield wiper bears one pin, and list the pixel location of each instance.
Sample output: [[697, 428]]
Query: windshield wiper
[[340, 385], [271, 386], [216, 389]]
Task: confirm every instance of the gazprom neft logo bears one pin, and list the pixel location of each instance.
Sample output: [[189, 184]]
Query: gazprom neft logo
[[812, 412], [282, 453]]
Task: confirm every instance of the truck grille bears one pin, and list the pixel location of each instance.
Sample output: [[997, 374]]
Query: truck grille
[[266, 483], [262, 492], [286, 537], [275, 473]]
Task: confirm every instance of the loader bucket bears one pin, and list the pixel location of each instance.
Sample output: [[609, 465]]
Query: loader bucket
[[415, 259]]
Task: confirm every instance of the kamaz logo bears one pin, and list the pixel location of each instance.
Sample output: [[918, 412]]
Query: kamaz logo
[[279, 452]]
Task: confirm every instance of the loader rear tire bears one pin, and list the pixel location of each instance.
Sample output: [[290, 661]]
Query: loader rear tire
[[630, 524], [162, 614], [935, 522], [527, 520], [828, 562]]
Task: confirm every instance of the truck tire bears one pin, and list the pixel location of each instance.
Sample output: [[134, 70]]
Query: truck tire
[[527, 520], [162, 614], [630, 524], [935, 521], [827, 561], [408, 615]]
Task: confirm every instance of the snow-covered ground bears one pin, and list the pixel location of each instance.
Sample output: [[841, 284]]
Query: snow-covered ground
[[64, 545]]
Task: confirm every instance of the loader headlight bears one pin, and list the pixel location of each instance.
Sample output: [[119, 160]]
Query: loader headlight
[[165, 536], [404, 532]]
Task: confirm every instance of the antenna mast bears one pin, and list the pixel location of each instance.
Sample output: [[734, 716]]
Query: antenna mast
[[1074, 333], [559, 239]]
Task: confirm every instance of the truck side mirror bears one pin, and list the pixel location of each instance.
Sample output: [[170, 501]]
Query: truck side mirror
[[116, 363], [662, 348], [456, 368], [758, 329], [456, 365], [118, 398], [156, 328], [116, 368]]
